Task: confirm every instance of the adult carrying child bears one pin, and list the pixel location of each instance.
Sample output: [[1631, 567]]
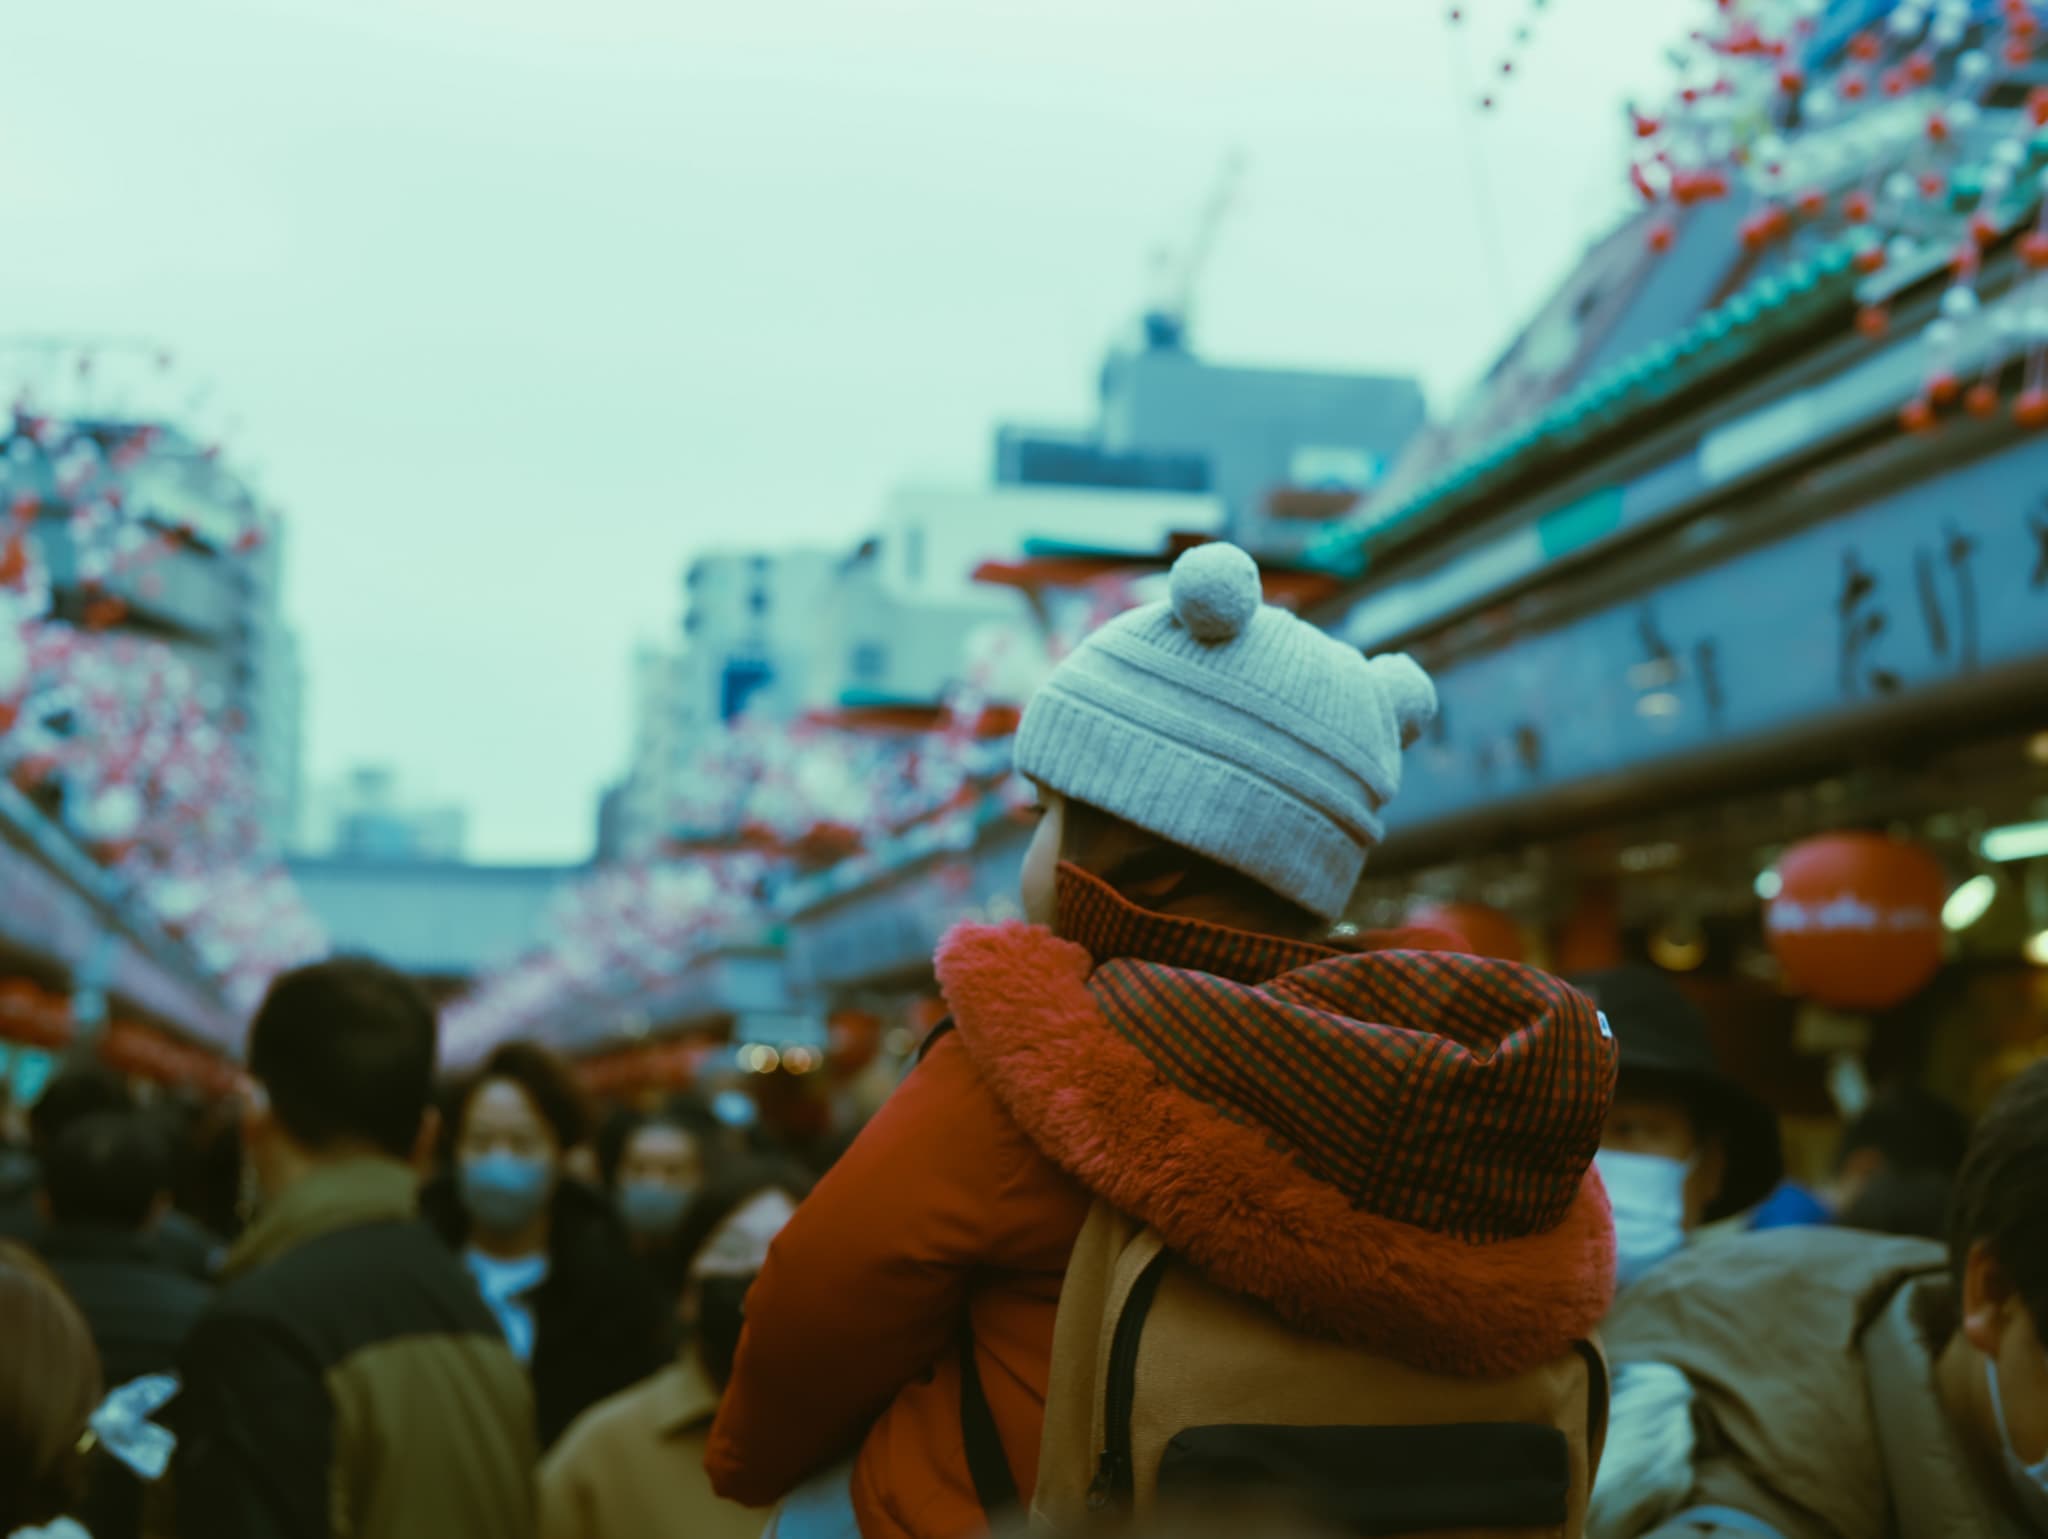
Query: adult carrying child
[[1205, 1205]]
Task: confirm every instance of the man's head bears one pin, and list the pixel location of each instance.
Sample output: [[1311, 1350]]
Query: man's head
[[1903, 1133], [107, 1171], [79, 1091], [344, 1053], [1683, 1144], [1660, 1116], [1998, 1247]]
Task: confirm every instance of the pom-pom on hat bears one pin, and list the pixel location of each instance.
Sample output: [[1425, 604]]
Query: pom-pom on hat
[[1232, 729]]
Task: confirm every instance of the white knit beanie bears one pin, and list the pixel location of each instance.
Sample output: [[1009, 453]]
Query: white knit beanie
[[1232, 729]]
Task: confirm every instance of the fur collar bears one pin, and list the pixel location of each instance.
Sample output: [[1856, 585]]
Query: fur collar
[[1242, 1211]]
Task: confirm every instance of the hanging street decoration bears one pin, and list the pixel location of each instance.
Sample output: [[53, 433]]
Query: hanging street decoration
[[1922, 138], [1509, 61], [112, 731]]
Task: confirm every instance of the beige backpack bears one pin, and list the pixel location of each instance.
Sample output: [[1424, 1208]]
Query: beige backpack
[[1168, 1392]]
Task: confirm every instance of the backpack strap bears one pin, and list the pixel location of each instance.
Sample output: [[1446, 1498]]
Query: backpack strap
[[994, 1485], [932, 1038]]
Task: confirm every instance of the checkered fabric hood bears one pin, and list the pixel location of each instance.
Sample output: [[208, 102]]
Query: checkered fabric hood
[[1392, 1146]]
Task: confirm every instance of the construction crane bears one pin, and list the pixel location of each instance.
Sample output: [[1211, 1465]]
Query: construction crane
[[1168, 321]]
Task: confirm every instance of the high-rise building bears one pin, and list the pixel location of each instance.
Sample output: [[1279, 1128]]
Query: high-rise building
[[1283, 450], [748, 623], [1183, 451], [369, 815], [636, 810]]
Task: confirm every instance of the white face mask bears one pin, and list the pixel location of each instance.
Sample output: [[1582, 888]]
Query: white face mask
[[2029, 1481], [1648, 1193]]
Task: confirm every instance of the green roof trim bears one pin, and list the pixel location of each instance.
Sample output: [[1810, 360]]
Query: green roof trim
[[881, 700], [1769, 310], [1039, 548]]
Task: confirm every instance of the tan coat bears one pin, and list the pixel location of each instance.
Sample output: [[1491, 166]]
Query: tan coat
[[1810, 1353], [633, 1468]]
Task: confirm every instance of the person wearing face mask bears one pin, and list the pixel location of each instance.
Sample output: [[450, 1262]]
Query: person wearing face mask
[[653, 1167], [346, 1379], [633, 1467], [546, 1252], [1849, 1385], [1684, 1145]]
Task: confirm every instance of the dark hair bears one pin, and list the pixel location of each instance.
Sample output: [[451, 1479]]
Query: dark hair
[[732, 1190], [82, 1090], [616, 1126], [345, 1050], [1142, 867], [206, 1168], [1911, 1129], [109, 1170], [2001, 1193], [620, 1126], [49, 1388], [547, 1083], [1895, 1201]]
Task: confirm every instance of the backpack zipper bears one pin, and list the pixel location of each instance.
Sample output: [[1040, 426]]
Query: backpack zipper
[[1113, 1473]]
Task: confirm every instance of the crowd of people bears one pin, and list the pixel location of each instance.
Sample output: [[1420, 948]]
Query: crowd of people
[[1203, 1212]]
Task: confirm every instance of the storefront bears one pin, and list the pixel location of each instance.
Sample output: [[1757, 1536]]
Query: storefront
[[1719, 602]]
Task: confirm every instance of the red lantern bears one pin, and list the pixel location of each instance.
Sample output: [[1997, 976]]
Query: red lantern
[[1856, 923], [1485, 932]]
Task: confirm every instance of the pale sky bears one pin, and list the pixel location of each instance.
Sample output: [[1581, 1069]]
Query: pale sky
[[511, 306]]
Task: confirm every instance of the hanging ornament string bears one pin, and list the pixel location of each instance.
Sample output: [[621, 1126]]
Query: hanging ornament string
[[1485, 204], [1513, 57]]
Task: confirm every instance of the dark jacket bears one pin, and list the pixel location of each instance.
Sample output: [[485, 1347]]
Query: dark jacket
[[188, 1245], [597, 1323], [178, 1242], [140, 1310], [348, 1381]]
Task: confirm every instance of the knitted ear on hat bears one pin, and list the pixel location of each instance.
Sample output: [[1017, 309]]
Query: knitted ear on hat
[[1408, 690]]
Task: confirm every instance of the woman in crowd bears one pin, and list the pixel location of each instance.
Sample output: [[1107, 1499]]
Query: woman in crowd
[[653, 1166], [633, 1468], [1389, 1149], [548, 1254], [49, 1388]]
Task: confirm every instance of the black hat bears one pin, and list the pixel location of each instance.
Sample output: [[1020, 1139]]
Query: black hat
[[1662, 1035]]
